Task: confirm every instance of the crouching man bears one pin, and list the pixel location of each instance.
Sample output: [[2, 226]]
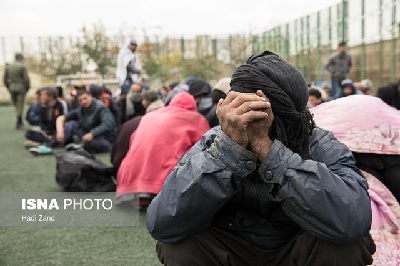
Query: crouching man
[[267, 187], [92, 122]]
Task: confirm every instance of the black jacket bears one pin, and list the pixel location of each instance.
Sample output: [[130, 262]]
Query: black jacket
[[48, 116]]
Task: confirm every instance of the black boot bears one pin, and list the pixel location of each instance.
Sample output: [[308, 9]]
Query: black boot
[[19, 125]]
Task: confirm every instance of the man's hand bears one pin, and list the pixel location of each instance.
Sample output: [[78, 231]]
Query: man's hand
[[237, 111], [87, 137], [258, 132]]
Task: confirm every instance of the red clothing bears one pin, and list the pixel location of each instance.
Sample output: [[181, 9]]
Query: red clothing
[[161, 138]]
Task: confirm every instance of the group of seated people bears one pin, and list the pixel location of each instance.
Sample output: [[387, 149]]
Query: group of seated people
[[318, 95], [95, 116], [55, 125], [139, 128]]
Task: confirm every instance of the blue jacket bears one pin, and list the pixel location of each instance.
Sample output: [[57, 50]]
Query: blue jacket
[[33, 114], [219, 183]]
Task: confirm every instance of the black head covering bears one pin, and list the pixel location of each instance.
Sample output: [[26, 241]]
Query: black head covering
[[287, 90]]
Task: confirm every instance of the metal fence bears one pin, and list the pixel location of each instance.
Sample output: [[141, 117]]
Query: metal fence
[[371, 29]]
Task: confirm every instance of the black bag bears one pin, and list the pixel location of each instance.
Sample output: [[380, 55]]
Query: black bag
[[80, 171]]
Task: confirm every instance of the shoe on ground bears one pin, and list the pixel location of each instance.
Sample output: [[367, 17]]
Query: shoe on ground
[[41, 150], [73, 147], [52, 143], [31, 144], [19, 126]]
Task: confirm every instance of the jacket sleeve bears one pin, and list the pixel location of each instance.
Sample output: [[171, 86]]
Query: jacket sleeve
[[5, 79], [326, 196], [330, 64], [33, 115], [350, 64], [25, 76], [198, 187], [106, 124]]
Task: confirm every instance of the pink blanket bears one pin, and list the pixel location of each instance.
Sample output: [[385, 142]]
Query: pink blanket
[[385, 229], [368, 125], [364, 123]]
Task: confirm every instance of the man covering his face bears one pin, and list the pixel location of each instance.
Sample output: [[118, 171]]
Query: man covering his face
[[267, 187]]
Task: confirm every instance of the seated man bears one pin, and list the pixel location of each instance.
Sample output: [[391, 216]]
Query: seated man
[[33, 113], [314, 98], [50, 110], [100, 94], [267, 187], [92, 122], [347, 88]]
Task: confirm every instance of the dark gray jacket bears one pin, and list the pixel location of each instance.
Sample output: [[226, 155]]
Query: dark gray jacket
[[218, 183], [339, 66], [97, 119]]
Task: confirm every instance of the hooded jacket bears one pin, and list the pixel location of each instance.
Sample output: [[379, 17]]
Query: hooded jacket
[[347, 83], [161, 138]]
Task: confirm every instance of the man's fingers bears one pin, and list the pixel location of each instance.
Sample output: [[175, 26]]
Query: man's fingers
[[219, 107], [261, 94], [254, 115], [254, 105], [230, 97], [245, 97], [247, 118]]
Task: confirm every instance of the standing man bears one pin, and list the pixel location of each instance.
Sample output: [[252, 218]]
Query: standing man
[[339, 66], [128, 66], [16, 80]]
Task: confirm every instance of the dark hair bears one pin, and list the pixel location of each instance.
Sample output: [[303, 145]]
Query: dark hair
[[173, 84], [96, 91], [216, 95], [342, 43], [38, 91], [19, 56], [52, 92], [60, 92], [314, 92], [150, 96], [81, 92]]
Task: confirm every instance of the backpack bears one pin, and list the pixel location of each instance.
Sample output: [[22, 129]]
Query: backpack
[[80, 171]]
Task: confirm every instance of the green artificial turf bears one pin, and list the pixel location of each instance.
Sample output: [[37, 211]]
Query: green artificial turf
[[20, 172]]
